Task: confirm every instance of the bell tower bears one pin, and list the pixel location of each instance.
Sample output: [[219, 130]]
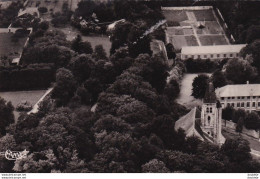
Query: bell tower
[[211, 116]]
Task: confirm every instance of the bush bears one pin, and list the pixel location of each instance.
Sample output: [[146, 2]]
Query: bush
[[42, 10]]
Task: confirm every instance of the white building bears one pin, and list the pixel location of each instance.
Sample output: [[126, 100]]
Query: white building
[[211, 52], [244, 96]]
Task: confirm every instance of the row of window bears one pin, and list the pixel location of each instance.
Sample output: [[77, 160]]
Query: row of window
[[240, 97], [243, 104], [209, 110], [211, 56]]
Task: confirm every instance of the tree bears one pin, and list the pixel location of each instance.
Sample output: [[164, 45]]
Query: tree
[[65, 86], [81, 67], [240, 125], [6, 115], [81, 47], [155, 166], [199, 86], [240, 71], [172, 89], [219, 79], [99, 53], [170, 51], [253, 50], [252, 121], [237, 114], [237, 150], [227, 113]]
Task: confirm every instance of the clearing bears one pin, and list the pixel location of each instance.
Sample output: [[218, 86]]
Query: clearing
[[15, 97], [185, 97]]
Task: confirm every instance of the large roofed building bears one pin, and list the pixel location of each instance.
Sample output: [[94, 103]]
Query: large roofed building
[[211, 52], [244, 96]]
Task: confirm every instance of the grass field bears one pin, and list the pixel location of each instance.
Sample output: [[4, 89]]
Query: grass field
[[191, 40], [9, 48], [177, 16], [213, 40], [202, 15], [15, 97]]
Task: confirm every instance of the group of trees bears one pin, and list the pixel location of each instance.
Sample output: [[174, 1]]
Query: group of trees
[[112, 114], [28, 77], [9, 14], [250, 120]]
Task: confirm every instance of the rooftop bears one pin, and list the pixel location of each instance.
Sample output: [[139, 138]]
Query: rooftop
[[238, 90], [215, 49]]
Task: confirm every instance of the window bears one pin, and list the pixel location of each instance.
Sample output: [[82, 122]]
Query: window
[[258, 104], [253, 104], [207, 110], [237, 54], [228, 104], [211, 55], [210, 110], [218, 55], [242, 97], [192, 56], [238, 97], [248, 104], [186, 56], [232, 104], [242, 105], [222, 98], [224, 55], [231, 55], [208, 120], [238, 105], [228, 98], [248, 97], [254, 97], [233, 97], [205, 56], [198, 56]]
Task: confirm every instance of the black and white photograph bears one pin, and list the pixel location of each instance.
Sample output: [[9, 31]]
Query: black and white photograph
[[129, 87]]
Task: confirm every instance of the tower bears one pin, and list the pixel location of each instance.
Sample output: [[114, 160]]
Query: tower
[[211, 116]]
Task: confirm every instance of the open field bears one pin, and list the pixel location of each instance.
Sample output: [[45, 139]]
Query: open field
[[15, 97], [53, 5], [176, 16], [202, 24], [185, 97], [213, 40], [72, 32], [10, 48], [202, 15]]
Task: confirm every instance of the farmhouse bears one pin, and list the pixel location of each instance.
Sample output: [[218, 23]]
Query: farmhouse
[[211, 52], [243, 96]]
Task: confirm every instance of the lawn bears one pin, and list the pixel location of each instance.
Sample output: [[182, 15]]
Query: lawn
[[177, 15], [72, 32], [9, 48], [15, 97], [213, 40], [202, 15], [178, 41], [185, 97], [191, 40]]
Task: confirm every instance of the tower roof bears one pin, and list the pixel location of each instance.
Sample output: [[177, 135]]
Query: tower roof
[[210, 95]]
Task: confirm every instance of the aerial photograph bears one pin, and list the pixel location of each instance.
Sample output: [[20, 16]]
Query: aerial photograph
[[129, 86]]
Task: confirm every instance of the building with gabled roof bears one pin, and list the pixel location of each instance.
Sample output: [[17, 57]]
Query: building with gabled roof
[[243, 96], [211, 52]]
